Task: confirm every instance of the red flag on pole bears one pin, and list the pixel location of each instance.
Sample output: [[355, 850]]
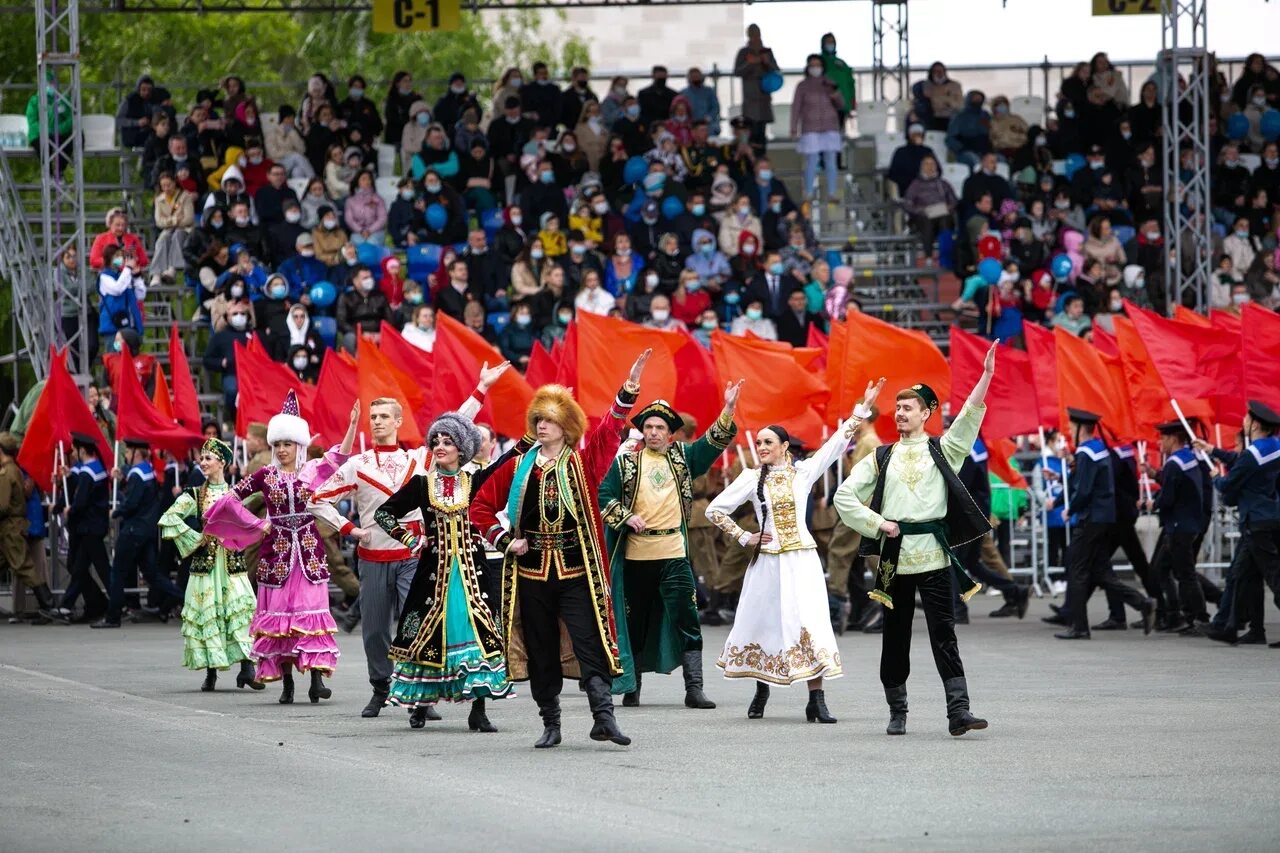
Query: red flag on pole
[[418, 363], [160, 397], [1147, 394], [1000, 459], [1105, 341], [541, 369], [777, 390], [60, 411], [567, 358], [700, 392], [1261, 356], [337, 384], [1042, 352], [186, 405], [263, 384], [1193, 362], [1011, 399], [459, 352], [377, 378], [817, 339], [1089, 380], [610, 346], [138, 418], [904, 357]]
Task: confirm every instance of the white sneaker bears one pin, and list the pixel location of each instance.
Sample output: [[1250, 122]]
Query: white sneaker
[[1058, 588]]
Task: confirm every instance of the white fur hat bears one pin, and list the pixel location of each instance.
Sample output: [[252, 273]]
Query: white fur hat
[[289, 425]]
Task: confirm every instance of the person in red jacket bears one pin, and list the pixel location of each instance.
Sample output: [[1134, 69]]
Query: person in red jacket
[[118, 234]]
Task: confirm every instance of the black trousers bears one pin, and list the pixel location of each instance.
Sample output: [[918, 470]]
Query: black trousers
[[1125, 537], [83, 554], [655, 588], [1258, 559], [543, 604], [1089, 567], [1057, 546], [1174, 564], [936, 596]]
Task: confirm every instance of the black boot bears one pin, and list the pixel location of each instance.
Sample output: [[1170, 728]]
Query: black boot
[[381, 689], [48, 608], [286, 692], [246, 677], [840, 609], [632, 698], [959, 719], [601, 702], [318, 691], [816, 711], [693, 695], [210, 680], [756, 709], [897, 699], [711, 615], [432, 714], [418, 717], [477, 720], [550, 713]]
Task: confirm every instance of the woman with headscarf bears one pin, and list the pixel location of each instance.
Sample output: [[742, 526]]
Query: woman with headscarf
[[448, 647], [219, 602], [782, 632], [292, 627]]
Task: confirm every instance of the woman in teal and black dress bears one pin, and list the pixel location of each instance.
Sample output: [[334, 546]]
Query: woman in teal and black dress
[[448, 647]]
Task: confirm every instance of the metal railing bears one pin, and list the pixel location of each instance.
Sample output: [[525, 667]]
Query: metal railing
[[37, 316]]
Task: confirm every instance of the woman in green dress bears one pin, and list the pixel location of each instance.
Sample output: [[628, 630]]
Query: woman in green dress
[[219, 602], [448, 647]]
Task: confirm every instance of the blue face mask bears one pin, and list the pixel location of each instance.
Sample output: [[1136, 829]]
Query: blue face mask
[[731, 298], [578, 251], [279, 291], [633, 111], [765, 175], [1243, 235], [776, 268], [547, 177], [707, 249], [523, 319], [693, 286], [1096, 166], [699, 210], [356, 94]]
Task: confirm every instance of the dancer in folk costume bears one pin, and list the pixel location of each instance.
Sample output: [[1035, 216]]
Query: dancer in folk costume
[[292, 627], [539, 508], [219, 603], [448, 647], [782, 631]]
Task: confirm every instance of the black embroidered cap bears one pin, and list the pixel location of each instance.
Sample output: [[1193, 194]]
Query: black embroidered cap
[[659, 409], [927, 394]]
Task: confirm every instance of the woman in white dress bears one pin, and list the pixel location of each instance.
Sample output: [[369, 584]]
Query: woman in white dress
[[782, 632]]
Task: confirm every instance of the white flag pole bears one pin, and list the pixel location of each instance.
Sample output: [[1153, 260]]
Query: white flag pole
[[1177, 410]]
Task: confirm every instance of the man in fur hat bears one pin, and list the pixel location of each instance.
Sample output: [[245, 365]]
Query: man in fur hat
[[645, 501], [539, 508]]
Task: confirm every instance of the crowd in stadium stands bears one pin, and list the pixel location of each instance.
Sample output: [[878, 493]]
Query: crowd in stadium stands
[[512, 210]]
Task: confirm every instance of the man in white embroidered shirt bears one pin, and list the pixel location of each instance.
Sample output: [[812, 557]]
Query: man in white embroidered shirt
[[908, 503]]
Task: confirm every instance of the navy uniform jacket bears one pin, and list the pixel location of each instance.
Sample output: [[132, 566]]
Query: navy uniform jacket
[[1126, 481], [90, 499], [1181, 500], [974, 476], [139, 511], [1251, 482], [1093, 489]]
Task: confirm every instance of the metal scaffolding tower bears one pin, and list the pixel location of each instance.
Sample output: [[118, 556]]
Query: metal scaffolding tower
[[1185, 71], [890, 79]]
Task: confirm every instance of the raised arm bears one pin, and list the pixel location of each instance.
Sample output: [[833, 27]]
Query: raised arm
[[979, 393], [324, 502], [701, 454], [488, 377], [602, 444], [835, 446]]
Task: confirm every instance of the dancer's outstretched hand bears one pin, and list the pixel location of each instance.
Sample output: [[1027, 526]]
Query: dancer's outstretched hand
[[638, 368], [872, 392], [490, 375], [732, 390], [989, 363]]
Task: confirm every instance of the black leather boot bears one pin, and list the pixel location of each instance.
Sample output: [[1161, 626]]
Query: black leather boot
[[632, 699], [711, 615], [601, 702], [959, 719], [286, 692], [318, 691], [477, 720], [897, 699], [246, 678], [816, 711], [381, 689], [550, 713], [693, 695], [756, 709], [210, 680], [418, 717]]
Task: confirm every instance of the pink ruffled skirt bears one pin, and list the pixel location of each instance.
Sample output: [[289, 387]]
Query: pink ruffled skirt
[[293, 626]]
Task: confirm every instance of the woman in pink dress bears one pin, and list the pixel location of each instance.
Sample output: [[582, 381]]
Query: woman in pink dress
[[292, 627]]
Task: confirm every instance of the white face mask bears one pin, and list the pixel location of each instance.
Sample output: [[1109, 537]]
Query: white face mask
[[651, 281], [300, 363], [237, 292], [330, 224], [815, 70], [242, 221], [516, 219], [293, 216], [238, 321], [661, 316]]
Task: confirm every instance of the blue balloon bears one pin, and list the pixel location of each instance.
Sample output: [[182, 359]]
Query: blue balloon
[[635, 170], [671, 207], [492, 221], [1270, 125], [771, 82], [990, 270], [1238, 126], [323, 294], [370, 254], [1061, 267], [437, 218], [1075, 162]]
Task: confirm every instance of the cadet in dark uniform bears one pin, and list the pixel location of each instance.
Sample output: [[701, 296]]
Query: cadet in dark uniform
[[1093, 506], [87, 525], [136, 540], [975, 476], [1250, 485], [1180, 505], [1124, 463]]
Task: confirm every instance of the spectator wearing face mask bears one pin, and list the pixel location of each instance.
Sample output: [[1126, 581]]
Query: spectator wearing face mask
[[527, 271], [777, 219], [282, 237], [838, 71], [404, 217], [272, 309], [708, 262], [314, 197], [753, 320], [1230, 182], [247, 269], [456, 100], [741, 219], [121, 289], [632, 130], [242, 229], [613, 106], [660, 315], [931, 203], [343, 273], [178, 162], [793, 324], [592, 134], [1241, 246], [815, 124], [704, 104], [414, 133], [749, 261], [328, 236], [220, 355], [400, 96], [1008, 130], [436, 191], [623, 269], [286, 146], [904, 166], [269, 199], [645, 233], [639, 300], [752, 63], [478, 178], [365, 212], [762, 185], [541, 98], [516, 338], [174, 218], [969, 131], [421, 332], [295, 329], [707, 323], [656, 100], [689, 300], [303, 269], [937, 98], [772, 286], [245, 128], [435, 154], [575, 97], [362, 310], [668, 263], [578, 261]]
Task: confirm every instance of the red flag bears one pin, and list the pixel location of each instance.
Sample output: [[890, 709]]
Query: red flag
[[1193, 362], [1089, 380], [138, 418], [160, 397], [609, 346], [1043, 354], [459, 352], [1261, 355], [904, 357], [1011, 399], [836, 345], [60, 411], [1105, 341], [777, 389], [378, 377], [186, 405], [700, 392], [1184, 314], [1147, 394], [1000, 459], [541, 369], [1224, 322], [418, 363], [567, 358], [338, 383], [263, 384]]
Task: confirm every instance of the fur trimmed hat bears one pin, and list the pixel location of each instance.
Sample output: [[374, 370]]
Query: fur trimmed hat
[[554, 403], [461, 431], [289, 425]]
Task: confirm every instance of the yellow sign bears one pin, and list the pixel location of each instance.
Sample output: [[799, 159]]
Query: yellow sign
[[416, 16], [1126, 7]]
